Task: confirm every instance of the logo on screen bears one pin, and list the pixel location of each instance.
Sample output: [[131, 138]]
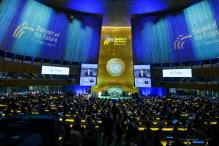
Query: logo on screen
[[180, 41], [39, 34], [22, 30]]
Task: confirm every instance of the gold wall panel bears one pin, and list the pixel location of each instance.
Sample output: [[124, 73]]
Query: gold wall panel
[[116, 46]]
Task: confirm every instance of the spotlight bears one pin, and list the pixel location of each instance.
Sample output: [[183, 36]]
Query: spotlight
[[71, 17]]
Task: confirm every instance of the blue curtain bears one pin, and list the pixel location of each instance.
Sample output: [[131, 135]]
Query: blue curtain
[[33, 29]]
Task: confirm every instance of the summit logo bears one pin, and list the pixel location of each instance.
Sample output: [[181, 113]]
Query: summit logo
[[22, 29], [107, 40], [39, 34], [180, 41], [116, 41]]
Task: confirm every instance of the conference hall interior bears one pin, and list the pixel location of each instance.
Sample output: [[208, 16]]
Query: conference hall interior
[[109, 73]]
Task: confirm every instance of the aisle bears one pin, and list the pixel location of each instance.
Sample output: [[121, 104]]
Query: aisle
[[100, 138]]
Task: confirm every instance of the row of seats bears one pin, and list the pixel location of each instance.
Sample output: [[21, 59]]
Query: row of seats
[[190, 121]]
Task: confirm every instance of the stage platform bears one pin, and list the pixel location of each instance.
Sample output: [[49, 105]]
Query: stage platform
[[116, 98]]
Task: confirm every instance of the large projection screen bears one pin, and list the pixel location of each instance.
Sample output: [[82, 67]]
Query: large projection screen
[[177, 73], [35, 30], [142, 75], [88, 74], [188, 35], [54, 70]]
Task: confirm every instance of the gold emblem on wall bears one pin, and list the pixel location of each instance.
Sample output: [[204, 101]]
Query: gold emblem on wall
[[115, 67]]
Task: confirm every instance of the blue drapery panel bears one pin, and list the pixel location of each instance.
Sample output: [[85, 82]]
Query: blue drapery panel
[[187, 35], [153, 91], [76, 89], [32, 29]]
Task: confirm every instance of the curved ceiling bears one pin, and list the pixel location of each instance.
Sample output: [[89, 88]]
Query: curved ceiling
[[118, 12]]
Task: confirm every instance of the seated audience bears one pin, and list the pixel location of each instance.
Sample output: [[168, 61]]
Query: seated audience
[[147, 121]]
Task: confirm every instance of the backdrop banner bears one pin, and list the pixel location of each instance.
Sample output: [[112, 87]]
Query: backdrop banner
[[115, 60]]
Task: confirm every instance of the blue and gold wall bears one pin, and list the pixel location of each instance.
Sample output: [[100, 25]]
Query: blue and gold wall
[[33, 29], [115, 68], [187, 35]]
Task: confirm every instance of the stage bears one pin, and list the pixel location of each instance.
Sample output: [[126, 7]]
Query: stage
[[114, 93], [116, 98]]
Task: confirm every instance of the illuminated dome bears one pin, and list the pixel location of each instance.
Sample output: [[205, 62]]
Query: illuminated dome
[[118, 12]]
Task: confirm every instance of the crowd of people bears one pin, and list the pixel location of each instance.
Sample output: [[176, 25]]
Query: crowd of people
[[140, 121]]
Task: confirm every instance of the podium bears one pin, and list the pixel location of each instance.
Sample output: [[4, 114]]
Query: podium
[[115, 92]]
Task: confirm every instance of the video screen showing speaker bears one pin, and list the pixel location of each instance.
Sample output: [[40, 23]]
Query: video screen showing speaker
[[142, 74], [88, 74]]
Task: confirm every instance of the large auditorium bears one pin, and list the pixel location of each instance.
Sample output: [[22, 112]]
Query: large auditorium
[[109, 72]]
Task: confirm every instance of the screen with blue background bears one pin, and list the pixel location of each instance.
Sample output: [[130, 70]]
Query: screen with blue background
[[186, 35], [33, 29], [153, 91]]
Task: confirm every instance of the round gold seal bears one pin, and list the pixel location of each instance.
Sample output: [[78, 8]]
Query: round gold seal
[[115, 66]]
